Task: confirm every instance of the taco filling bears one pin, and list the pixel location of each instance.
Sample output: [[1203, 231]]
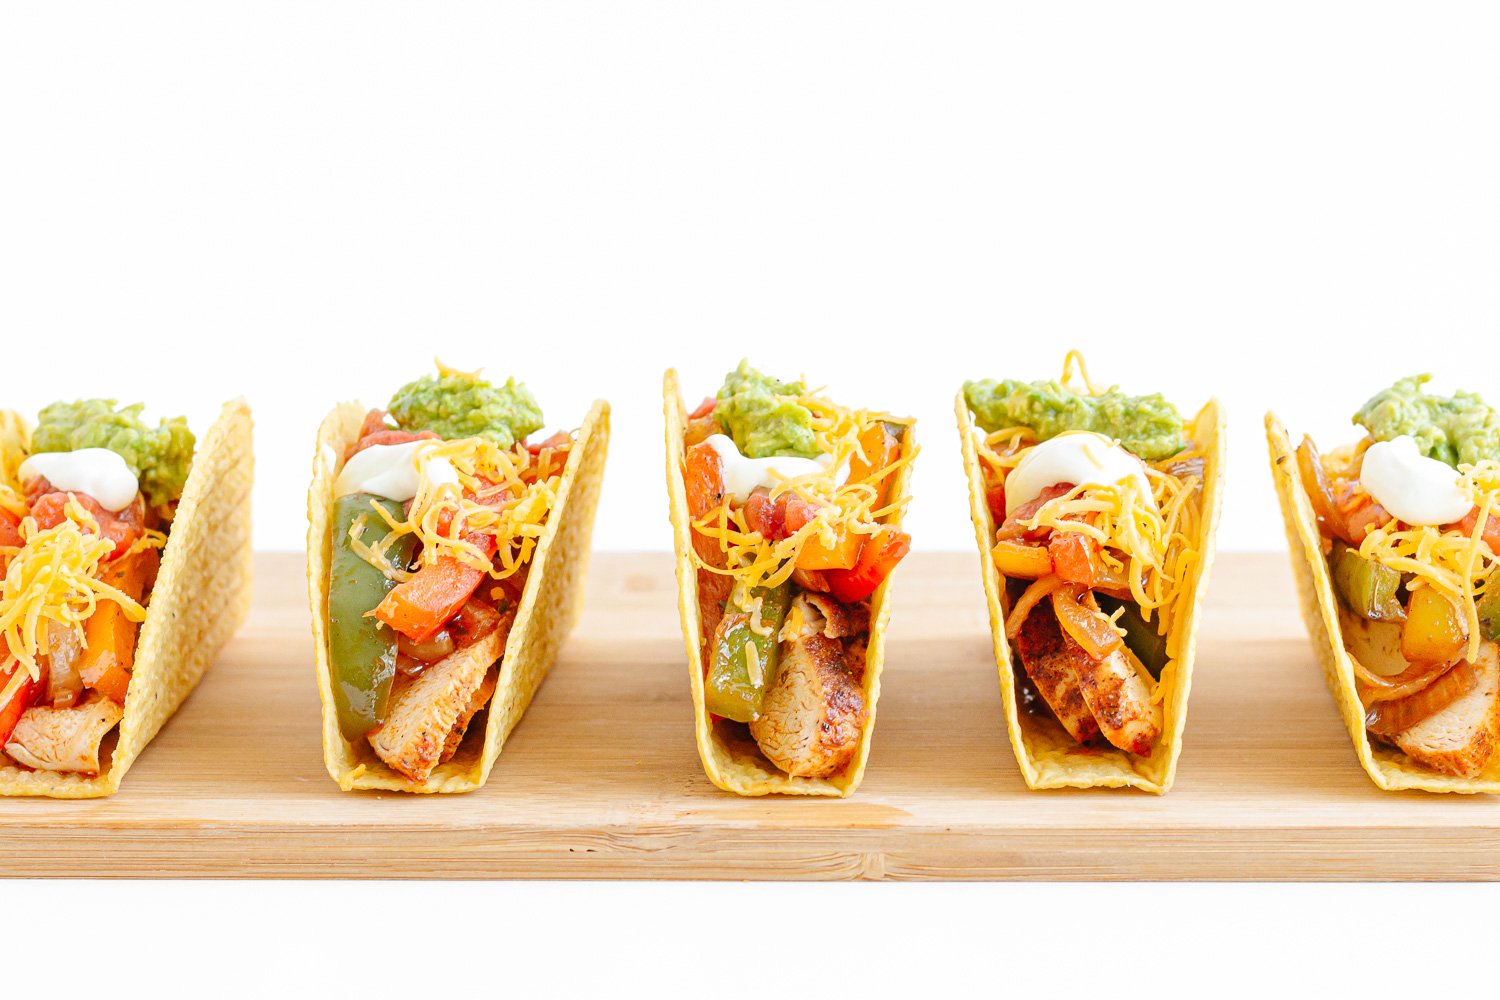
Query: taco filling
[[439, 505], [83, 518], [1096, 497], [794, 527], [1409, 520]]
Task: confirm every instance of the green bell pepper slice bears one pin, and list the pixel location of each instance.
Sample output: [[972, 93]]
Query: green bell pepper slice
[[732, 689], [361, 650]]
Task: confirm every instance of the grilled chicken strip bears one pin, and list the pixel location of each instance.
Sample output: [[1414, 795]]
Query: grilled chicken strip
[[423, 714], [814, 711], [480, 699], [1117, 696], [1044, 654], [1461, 738], [64, 739]]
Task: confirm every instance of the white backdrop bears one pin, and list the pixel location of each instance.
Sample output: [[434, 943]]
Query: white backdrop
[[1286, 206]]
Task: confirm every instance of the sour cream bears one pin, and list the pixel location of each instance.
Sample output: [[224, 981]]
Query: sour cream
[[1082, 458], [1412, 487], [743, 475], [394, 471], [94, 472]]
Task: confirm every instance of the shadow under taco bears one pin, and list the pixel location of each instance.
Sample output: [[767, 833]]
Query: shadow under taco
[[446, 558], [1395, 544], [1094, 512], [125, 552]]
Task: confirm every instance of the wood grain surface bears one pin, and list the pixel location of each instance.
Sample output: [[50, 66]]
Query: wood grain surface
[[601, 779]]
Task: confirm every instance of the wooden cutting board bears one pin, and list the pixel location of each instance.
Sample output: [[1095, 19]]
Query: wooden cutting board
[[601, 779]]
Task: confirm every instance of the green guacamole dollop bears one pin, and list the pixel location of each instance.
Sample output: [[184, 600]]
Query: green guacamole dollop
[[763, 417], [1459, 429], [1146, 426], [456, 405], [159, 456]]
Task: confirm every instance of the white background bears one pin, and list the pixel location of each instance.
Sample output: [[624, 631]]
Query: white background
[[1287, 206], [1283, 205]]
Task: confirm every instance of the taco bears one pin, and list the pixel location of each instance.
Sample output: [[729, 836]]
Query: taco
[[445, 565], [786, 510], [1395, 542], [125, 552], [1095, 513]]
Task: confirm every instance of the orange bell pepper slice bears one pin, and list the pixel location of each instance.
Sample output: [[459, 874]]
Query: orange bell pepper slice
[[420, 607], [108, 655]]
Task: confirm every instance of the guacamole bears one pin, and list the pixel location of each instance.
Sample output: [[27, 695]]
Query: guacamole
[[1146, 426], [159, 457], [456, 405], [1458, 429], [758, 412]]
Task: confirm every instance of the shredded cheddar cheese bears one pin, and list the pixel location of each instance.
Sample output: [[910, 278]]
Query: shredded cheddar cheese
[[506, 494], [55, 578], [1462, 566], [1151, 538], [754, 561]]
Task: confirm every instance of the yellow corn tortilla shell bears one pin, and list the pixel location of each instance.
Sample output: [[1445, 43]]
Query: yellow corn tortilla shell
[[1388, 767], [201, 596], [730, 756], [1047, 755], [549, 607]]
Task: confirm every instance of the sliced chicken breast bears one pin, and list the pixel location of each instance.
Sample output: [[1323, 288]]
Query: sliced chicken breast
[[423, 714], [1045, 655], [1461, 738], [64, 739], [1117, 694], [814, 711], [480, 699], [839, 621]]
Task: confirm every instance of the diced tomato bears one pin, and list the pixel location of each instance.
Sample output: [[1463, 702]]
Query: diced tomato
[[122, 528], [995, 498], [796, 513], [1491, 527], [881, 448], [766, 516], [1365, 518], [421, 606], [375, 422], [10, 530], [1012, 526], [879, 556], [1075, 557], [559, 440], [843, 554], [704, 408], [388, 437], [10, 713]]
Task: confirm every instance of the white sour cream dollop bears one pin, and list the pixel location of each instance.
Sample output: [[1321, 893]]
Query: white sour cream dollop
[[1412, 487], [743, 475], [1082, 458], [394, 471], [95, 472]]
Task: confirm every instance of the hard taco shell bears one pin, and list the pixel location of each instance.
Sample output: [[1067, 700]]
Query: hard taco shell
[[730, 756], [1388, 767], [549, 607], [201, 595], [1047, 755]]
